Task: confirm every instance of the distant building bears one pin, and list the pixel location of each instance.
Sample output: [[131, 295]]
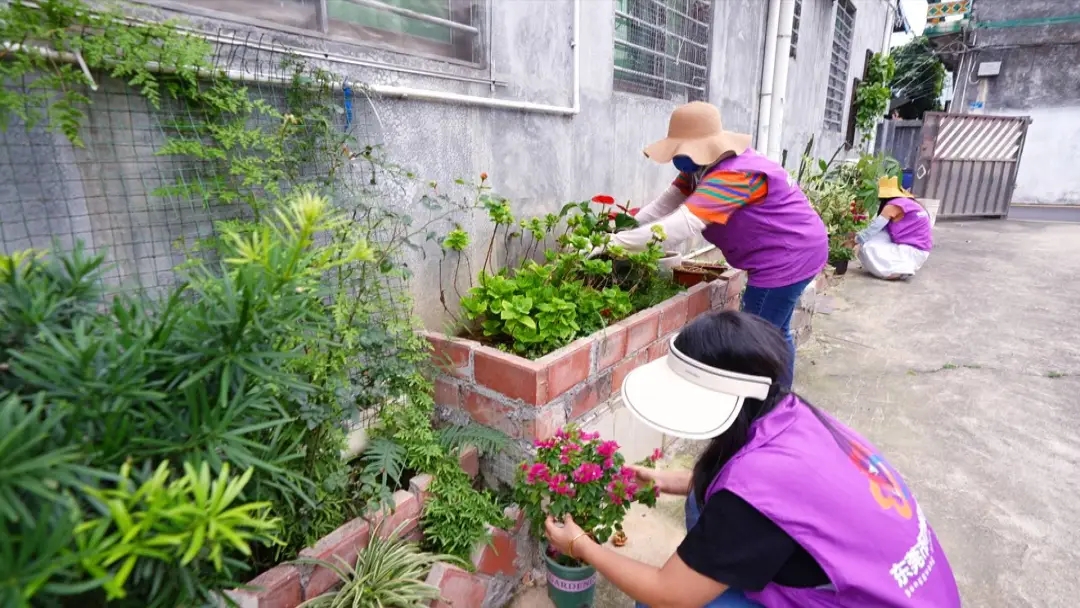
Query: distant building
[[1020, 59]]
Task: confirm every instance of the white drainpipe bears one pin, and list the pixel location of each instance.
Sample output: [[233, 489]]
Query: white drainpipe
[[780, 77], [388, 90], [761, 142]]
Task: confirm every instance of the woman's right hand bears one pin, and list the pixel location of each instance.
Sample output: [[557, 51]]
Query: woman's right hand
[[668, 482]]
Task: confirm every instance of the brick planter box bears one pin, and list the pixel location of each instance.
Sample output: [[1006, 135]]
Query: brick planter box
[[531, 399], [499, 564]]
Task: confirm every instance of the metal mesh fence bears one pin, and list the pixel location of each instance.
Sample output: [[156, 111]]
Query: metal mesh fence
[[662, 48], [120, 192]]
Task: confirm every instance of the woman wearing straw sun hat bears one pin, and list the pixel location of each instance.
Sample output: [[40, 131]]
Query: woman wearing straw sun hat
[[785, 507], [742, 202], [897, 243]]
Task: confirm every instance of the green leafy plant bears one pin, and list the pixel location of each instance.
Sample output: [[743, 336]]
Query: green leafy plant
[[456, 515], [388, 573], [576, 473], [873, 94], [531, 308]]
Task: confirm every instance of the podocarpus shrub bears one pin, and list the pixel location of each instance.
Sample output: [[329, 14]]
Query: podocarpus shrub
[[120, 422]]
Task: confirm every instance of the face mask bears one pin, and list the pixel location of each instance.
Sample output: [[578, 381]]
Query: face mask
[[685, 164]]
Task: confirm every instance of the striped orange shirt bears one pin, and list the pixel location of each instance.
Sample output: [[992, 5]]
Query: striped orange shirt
[[720, 192]]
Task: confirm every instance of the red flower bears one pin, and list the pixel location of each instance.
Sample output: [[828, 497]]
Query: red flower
[[633, 212], [603, 199], [483, 177]]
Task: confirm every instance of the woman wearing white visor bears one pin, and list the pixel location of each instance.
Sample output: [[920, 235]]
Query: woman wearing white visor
[[785, 507]]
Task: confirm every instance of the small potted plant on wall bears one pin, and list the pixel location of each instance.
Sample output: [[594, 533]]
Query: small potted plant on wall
[[579, 474], [840, 253]]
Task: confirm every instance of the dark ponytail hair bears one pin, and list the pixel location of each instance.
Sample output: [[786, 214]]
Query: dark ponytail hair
[[742, 343]]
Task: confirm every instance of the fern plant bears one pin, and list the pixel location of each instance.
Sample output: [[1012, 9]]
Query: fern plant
[[486, 440], [389, 573]]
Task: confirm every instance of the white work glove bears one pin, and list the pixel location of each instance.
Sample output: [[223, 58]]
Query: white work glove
[[678, 226], [664, 205]]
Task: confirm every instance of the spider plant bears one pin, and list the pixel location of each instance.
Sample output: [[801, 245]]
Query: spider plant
[[389, 573]]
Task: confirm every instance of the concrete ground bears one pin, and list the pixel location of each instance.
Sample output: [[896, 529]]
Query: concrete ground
[[968, 379]]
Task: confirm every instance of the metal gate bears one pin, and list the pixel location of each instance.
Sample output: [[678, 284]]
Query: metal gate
[[969, 162], [899, 139]]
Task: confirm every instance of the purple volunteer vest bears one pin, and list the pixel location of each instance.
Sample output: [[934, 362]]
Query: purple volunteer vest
[[836, 496], [914, 229], [779, 241]]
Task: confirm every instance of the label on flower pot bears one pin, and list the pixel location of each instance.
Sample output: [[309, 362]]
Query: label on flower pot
[[571, 586]]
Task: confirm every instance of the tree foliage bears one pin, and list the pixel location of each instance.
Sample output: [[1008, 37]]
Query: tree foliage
[[919, 78]]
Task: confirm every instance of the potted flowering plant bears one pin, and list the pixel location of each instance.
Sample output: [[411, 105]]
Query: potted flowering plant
[[842, 237], [576, 473]]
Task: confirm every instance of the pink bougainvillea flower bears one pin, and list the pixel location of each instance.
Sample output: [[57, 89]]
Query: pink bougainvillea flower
[[588, 473], [609, 463], [603, 199], [564, 459], [607, 449], [626, 475], [539, 471], [544, 444], [590, 436], [656, 455], [560, 434]]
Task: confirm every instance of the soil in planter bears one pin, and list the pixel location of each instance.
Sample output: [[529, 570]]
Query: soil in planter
[[692, 273]]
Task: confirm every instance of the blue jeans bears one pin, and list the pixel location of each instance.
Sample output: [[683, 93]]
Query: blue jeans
[[732, 598], [776, 305]]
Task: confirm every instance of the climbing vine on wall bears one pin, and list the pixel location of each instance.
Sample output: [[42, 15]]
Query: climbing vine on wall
[[873, 95]]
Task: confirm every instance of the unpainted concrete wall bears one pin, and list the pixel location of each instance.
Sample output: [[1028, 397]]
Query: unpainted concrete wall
[[1039, 78], [539, 161]]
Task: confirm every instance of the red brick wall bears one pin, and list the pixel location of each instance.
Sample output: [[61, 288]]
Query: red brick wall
[[531, 399], [499, 564]]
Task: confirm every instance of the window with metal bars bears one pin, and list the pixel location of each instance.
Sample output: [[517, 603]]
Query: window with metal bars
[[662, 48], [838, 65], [795, 27], [443, 28]]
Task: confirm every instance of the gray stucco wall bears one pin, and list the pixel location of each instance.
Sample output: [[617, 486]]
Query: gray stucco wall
[[539, 161], [1040, 78], [809, 73]]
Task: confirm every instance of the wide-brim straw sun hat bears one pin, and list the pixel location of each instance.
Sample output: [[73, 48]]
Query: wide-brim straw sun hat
[[695, 130], [889, 187], [681, 397]]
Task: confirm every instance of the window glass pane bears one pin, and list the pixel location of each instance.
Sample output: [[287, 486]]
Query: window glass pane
[[433, 27], [293, 13], [445, 28]]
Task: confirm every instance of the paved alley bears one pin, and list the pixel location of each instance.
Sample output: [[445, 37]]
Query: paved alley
[[968, 379]]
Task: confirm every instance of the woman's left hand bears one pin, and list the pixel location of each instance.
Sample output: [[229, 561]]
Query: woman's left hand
[[560, 537]]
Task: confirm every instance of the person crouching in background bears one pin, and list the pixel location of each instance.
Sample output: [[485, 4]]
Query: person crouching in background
[[898, 241]]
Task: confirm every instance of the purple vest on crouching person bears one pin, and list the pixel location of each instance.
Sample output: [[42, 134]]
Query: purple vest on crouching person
[[779, 241], [914, 229], [833, 493]]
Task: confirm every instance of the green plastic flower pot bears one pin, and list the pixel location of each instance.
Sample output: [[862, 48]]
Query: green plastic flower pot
[[570, 587]]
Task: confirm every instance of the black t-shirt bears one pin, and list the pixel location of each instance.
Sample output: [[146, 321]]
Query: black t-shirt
[[735, 544]]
